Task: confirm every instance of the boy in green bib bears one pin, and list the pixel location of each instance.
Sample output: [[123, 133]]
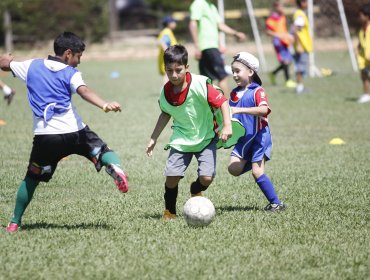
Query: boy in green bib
[[190, 100]]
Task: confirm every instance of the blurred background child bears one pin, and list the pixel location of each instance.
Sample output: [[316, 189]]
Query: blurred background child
[[363, 55], [166, 38], [276, 27]]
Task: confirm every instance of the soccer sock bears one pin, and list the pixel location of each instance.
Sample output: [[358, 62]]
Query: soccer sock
[[197, 187], [170, 197], [24, 197], [286, 71], [267, 188], [110, 158]]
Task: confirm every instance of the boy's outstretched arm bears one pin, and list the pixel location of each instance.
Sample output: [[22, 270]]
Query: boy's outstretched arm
[[226, 131], [91, 97], [5, 60], [163, 120]]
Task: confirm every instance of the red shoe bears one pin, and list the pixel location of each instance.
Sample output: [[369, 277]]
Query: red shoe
[[119, 177], [12, 227]]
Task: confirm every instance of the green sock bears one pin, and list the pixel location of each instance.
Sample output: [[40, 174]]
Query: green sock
[[24, 197], [111, 158]]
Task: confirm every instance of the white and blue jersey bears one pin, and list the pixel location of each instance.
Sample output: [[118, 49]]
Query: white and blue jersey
[[257, 142], [50, 85]]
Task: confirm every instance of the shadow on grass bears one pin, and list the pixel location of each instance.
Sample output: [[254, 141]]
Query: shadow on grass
[[153, 216], [68, 227], [237, 208], [351, 99]]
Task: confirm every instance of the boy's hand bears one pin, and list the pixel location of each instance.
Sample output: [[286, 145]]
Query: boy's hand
[[226, 132], [112, 106], [150, 147], [5, 60]]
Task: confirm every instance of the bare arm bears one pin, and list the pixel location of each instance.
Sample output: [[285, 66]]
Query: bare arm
[[91, 97], [260, 111], [193, 28], [226, 132], [228, 30], [162, 121]]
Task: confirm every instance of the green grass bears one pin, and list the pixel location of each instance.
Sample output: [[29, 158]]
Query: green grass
[[78, 226]]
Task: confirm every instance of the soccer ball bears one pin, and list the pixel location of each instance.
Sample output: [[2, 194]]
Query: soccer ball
[[199, 211]]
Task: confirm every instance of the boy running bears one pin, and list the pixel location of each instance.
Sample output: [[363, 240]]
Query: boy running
[[58, 129], [188, 99]]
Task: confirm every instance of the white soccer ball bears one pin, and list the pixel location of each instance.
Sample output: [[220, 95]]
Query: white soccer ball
[[199, 211]]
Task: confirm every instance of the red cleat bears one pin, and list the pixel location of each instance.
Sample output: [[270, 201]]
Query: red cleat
[[12, 227], [119, 177]]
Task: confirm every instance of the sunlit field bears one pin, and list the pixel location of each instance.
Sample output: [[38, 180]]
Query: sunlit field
[[79, 226]]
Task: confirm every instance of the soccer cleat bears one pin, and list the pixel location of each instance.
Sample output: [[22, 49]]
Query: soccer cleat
[[364, 98], [275, 207], [290, 84], [167, 215], [9, 98], [12, 227], [119, 177], [197, 194], [272, 79]]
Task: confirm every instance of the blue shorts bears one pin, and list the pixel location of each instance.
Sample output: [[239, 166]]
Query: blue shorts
[[254, 150], [301, 62], [282, 52]]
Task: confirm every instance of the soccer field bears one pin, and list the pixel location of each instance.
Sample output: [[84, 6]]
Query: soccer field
[[78, 226]]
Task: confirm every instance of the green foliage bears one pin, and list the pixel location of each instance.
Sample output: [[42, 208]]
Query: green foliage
[[78, 226], [43, 20]]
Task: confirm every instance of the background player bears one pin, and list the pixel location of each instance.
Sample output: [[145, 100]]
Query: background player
[[276, 26]]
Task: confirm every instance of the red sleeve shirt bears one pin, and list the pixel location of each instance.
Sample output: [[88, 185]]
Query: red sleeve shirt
[[261, 99], [215, 97]]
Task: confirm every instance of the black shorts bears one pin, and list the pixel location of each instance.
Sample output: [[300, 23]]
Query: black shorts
[[48, 150], [212, 64]]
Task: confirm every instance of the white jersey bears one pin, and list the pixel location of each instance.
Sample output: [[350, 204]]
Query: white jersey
[[44, 96]]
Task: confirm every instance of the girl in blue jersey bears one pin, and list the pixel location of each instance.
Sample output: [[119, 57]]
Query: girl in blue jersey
[[249, 105], [58, 130]]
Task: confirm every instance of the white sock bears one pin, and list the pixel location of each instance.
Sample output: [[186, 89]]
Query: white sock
[[7, 90]]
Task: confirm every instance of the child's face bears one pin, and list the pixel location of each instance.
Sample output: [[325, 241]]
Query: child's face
[[73, 59], [172, 25], [242, 74], [363, 18], [176, 73]]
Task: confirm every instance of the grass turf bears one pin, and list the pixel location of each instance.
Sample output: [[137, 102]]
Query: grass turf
[[78, 226]]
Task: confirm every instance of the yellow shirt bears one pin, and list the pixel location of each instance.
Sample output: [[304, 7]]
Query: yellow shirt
[[303, 35], [166, 37], [363, 55]]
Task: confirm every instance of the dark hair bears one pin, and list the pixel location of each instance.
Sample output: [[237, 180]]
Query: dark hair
[[68, 40], [299, 2], [176, 54], [365, 9]]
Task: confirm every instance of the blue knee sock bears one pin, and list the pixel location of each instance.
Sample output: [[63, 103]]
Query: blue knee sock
[[267, 188]]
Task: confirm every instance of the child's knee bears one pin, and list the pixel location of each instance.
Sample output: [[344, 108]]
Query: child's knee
[[205, 180], [234, 170]]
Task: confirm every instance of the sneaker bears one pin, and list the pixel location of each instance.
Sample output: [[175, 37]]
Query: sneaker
[[119, 177], [12, 227], [272, 78], [300, 89], [290, 84], [167, 215], [9, 98], [364, 98], [275, 207]]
